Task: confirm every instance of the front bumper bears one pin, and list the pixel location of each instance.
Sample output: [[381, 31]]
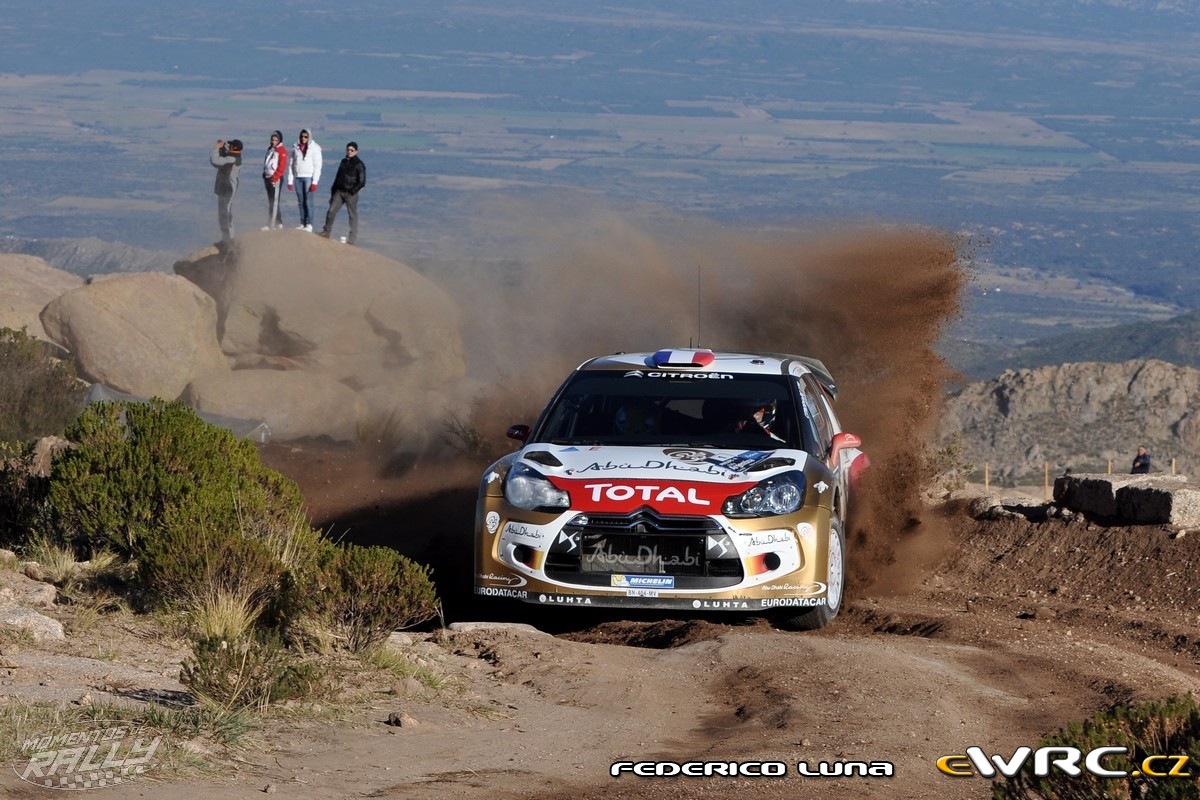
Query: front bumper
[[648, 560]]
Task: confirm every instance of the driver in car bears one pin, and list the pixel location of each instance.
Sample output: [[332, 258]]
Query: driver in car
[[759, 419]]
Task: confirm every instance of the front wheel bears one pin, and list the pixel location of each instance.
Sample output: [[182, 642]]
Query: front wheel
[[835, 582]]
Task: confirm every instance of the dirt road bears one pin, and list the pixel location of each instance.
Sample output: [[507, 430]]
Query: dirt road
[[1011, 631], [957, 632]]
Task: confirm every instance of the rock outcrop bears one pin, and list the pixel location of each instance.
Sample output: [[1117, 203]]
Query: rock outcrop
[[326, 339], [148, 334], [310, 336], [286, 299], [27, 284], [294, 405], [1080, 417]]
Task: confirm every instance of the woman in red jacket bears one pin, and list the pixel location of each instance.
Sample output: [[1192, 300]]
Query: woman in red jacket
[[274, 168]]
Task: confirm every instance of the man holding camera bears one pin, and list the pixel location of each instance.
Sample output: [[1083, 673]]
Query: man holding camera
[[227, 158]]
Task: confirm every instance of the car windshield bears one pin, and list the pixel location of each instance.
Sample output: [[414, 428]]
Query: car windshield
[[685, 409]]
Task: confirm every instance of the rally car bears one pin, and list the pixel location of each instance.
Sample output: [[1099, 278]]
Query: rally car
[[680, 479]]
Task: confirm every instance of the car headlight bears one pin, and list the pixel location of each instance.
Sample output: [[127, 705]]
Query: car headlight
[[527, 488], [781, 494]]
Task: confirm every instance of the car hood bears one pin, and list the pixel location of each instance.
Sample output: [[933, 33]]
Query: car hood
[[670, 480], [703, 464]]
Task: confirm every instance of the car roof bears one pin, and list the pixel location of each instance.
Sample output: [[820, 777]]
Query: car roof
[[702, 360]]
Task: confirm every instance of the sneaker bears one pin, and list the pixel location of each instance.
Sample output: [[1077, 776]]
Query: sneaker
[[308, 228], [301, 227], [265, 228], [323, 234]]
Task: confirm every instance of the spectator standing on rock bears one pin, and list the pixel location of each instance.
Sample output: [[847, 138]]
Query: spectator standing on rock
[[351, 178], [274, 168], [227, 158], [304, 174], [1141, 462]]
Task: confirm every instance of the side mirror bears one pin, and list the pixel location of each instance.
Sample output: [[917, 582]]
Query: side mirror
[[842, 441], [518, 432]]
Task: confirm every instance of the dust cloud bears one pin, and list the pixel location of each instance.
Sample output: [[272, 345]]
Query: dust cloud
[[869, 301]]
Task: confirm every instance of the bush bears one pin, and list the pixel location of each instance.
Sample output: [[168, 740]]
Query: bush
[[365, 593], [183, 560], [138, 468], [251, 671], [22, 493], [946, 468], [41, 395], [1167, 728]]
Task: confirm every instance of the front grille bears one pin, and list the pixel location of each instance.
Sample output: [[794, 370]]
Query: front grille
[[694, 550]]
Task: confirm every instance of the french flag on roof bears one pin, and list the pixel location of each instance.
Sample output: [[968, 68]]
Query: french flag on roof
[[683, 358]]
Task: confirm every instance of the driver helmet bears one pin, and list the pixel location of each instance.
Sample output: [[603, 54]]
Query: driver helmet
[[768, 406], [749, 408]]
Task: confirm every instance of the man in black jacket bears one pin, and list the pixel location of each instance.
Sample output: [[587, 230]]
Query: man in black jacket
[[351, 177]]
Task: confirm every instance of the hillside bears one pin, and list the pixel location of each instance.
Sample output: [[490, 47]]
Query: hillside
[[89, 255], [1078, 416]]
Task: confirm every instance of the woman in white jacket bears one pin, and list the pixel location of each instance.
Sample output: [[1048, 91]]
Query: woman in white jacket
[[304, 175]]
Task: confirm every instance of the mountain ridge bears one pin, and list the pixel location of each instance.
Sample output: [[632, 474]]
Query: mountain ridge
[[90, 255]]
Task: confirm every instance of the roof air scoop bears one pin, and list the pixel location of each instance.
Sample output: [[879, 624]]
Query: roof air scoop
[[683, 358]]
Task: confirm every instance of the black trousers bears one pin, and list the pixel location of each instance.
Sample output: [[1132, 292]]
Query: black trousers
[[336, 201], [273, 203]]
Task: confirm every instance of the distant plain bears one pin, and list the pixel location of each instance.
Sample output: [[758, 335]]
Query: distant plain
[[1061, 146]]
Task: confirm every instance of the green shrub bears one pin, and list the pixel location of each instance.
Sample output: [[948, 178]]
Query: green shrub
[[249, 672], [140, 467], [1167, 728], [366, 593], [182, 560], [22, 494], [41, 395]]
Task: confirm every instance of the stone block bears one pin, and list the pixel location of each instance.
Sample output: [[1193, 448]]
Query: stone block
[[1136, 499], [1151, 505]]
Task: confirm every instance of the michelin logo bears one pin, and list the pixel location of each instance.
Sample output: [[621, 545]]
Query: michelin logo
[[644, 581]]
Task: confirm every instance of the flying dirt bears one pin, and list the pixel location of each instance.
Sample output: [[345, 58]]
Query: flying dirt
[[869, 301], [957, 632]]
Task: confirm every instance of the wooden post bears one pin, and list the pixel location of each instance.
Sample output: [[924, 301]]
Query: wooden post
[[1046, 481], [985, 476], [1110, 466], [1172, 466]]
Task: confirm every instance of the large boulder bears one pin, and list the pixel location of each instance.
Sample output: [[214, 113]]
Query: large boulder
[[294, 404], [328, 330], [292, 300], [27, 284], [147, 334]]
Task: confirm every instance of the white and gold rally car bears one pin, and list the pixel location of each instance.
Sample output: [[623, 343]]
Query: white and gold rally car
[[681, 479]]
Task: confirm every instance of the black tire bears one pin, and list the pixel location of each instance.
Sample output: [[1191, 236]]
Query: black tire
[[820, 616]]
